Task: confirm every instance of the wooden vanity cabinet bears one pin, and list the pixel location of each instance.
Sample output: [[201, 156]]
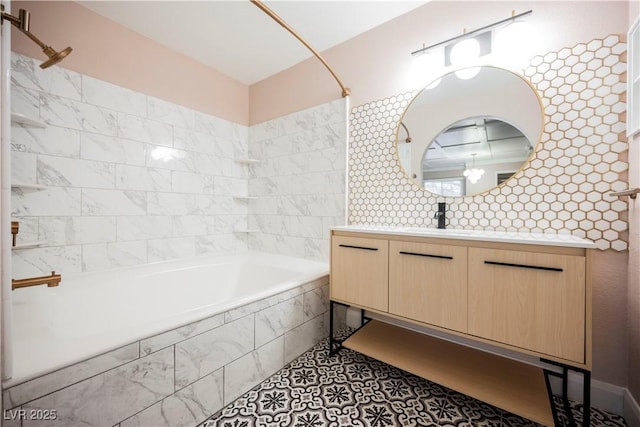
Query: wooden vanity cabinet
[[428, 283], [530, 298], [535, 301], [360, 271]]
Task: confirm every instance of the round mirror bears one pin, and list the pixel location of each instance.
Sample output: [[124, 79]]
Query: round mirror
[[462, 137]]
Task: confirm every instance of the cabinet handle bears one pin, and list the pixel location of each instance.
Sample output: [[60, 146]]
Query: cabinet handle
[[358, 247], [426, 255], [534, 267]]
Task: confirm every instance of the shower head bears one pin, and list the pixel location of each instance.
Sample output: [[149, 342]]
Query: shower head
[[54, 57], [22, 23]]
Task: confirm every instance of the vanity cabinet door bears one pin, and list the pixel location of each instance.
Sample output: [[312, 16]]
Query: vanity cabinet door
[[428, 283], [359, 271], [534, 301]]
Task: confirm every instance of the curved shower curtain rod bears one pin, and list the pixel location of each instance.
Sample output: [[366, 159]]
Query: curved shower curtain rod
[[345, 90]]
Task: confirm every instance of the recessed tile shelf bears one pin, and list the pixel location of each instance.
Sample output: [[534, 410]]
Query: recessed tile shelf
[[246, 230], [28, 185], [246, 197], [247, 161], [27, 121], [29, 245]]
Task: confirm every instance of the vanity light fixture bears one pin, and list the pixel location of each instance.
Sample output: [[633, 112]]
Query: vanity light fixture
[[465, 49], [474, 174]]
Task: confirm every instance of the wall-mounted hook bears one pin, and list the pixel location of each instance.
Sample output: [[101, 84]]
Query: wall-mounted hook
[[632, 192]]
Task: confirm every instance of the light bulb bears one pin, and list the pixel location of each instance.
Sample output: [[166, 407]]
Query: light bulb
[[424, 70], [512, 45], [464, 53]]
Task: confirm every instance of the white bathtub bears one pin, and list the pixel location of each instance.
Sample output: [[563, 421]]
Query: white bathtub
[[92, 313]]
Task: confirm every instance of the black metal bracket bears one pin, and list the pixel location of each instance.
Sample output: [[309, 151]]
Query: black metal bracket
[[335, 344], [564, 376]]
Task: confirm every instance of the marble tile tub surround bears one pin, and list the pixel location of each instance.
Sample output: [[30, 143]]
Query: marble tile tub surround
[[564, 189], [182, 376], [133, 179], [299, 183], [130, 179]]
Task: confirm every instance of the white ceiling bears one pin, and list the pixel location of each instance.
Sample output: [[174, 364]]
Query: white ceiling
[[241, 41]]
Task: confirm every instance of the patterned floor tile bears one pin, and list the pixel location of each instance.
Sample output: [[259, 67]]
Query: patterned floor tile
[[353, 390]]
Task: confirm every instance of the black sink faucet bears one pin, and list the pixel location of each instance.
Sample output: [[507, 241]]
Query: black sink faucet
[[442, 209]]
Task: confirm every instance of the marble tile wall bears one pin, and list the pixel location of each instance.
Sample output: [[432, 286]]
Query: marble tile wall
[[129, 179], [179, 377], [299, 183]]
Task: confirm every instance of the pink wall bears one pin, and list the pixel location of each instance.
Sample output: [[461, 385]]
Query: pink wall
[[633, 294], [609, 276], [375, 64], [113, 53]]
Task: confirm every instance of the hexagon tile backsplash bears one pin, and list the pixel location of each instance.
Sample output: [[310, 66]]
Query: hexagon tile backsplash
[[581, 157]]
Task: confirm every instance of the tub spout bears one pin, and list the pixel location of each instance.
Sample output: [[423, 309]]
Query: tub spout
[[50, 281]]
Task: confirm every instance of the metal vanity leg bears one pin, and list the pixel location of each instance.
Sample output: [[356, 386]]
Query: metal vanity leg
[[330, 328], [554, 410], [586, 411], [565, 394], [565, 383], [334, 344], [586, 391]]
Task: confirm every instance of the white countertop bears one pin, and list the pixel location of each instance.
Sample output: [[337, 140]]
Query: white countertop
[[546, 239]]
